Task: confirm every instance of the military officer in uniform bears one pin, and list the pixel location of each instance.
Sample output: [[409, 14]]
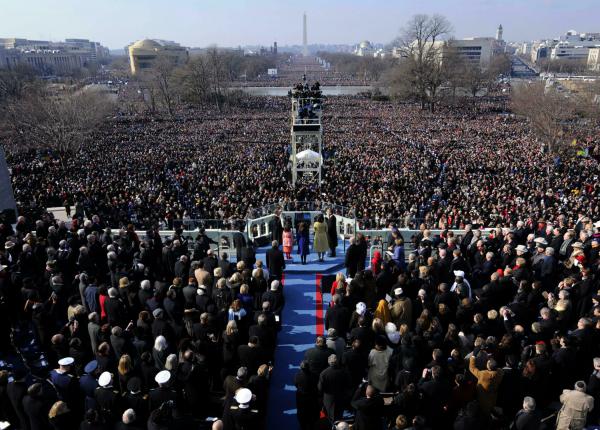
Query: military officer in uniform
[[163, 393], [107, 398], [88, 384], [62, 380], [239, 415]]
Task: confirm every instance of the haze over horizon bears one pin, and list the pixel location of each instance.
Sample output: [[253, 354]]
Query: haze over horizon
[[243, 22]]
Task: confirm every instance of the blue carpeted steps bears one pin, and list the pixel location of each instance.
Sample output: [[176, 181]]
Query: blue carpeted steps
[[298, 332], [296, 336]]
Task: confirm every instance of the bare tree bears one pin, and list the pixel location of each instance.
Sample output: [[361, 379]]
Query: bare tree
[[475, 79], [16, 82], [162, 74], [547, 111], [60, 122], [422, 46], [193, 80], [218, 75], [147, 90]]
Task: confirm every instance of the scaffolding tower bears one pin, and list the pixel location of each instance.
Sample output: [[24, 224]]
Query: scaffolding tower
[[306, 133]]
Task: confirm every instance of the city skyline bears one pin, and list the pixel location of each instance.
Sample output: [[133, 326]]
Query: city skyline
[[242, 22]]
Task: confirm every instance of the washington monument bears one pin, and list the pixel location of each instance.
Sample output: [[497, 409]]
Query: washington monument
[[304, 37]]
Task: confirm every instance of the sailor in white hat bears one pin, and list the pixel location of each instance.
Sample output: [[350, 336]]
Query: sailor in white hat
[[106, 396], [163, 393], [61, 378], [241, 414], [243, 396], [105, 380]]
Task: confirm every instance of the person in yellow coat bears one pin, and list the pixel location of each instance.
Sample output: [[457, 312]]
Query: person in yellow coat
[[488, 382], [321, 243]]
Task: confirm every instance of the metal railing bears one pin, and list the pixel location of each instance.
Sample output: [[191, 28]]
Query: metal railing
[[258, 225]]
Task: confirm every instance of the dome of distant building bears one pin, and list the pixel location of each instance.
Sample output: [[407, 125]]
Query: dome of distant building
[[143, 53], [365, 44], [148, 44]]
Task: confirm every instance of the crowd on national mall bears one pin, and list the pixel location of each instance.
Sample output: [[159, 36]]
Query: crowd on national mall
[[495, 327]]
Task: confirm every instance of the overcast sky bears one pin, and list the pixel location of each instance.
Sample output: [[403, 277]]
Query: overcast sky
[[115, 23]]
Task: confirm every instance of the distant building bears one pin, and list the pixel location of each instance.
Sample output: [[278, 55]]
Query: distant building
[[476, 50], [569, 46], [593, 60], [525, 49], [144, 53], [364, 49], [499, 33], [51, 57], [540, 50]]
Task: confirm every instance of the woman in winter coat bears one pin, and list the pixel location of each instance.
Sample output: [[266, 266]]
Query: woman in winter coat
[[303, 240], [288, 242], [321, 242], [379, 359]]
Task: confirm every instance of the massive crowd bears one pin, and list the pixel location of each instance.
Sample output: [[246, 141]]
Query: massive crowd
[[121, 330], [385, 162], [472, 332], [126, 331], [102, 331]]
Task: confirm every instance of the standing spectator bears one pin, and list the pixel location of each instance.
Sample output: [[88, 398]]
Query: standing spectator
[[333, 386], [369, 408], [288, 242], [575, 407], [321, 243], [275, 261], [332, 232], [488, 382], [527, 418], [303, 241]]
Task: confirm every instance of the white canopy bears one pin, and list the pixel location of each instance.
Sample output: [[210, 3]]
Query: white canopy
[[308, 155]]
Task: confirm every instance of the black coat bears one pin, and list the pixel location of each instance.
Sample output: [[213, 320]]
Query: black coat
[[332, 236], [338, 317], [351, 262], [275, 262], [251, 357], [16, 391], [226, 267], [266, 337], [334, 385], [276, 229], [369, 411], [307, 398], [275, 298], [116, 313], [37, 411], [355, 362], [527, 420], [158, 396], [248, 256], [239, 243], [317, 359]]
